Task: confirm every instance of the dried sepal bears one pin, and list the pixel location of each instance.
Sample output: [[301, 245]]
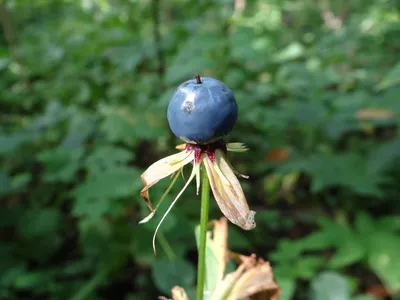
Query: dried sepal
[[236, 147], [152, 212], [228, 192], [172, 205], [181, 147]]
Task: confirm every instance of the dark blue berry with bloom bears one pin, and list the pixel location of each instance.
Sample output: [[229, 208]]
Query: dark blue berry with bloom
[[202, 110]]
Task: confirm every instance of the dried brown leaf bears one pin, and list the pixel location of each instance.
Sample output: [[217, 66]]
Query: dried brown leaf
[[367, 114], [257, 281], [220, 245]]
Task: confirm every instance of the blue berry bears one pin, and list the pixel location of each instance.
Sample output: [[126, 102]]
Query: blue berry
[[202, 110]]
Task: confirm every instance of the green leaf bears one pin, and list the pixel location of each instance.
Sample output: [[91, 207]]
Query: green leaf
[[364, 224], [347, 170], [293, 51], [307, 266], [38, 223], [363, 297], [107, 157], [329, 286], [61, 164], [5, 182], [9, 143], [94, 195], [349, 252], [383, 259], [193, 57], [40, 233], [167, 274], [385, 156], [287, 251], [124, 58], [122, 124], [319, 240], [392, 78], [287, 286], [36, 280]]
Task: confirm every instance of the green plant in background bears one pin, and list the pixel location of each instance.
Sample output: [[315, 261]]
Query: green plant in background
[[83, 93]]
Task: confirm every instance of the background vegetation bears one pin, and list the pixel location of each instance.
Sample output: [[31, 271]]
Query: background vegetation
[[83, 94]]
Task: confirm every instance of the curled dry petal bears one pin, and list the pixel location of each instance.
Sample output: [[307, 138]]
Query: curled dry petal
[[228, 193], [161, 169]]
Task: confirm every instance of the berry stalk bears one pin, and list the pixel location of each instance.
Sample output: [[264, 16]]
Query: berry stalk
[[201, 267]]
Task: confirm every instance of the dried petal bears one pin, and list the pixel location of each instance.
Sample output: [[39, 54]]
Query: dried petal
[[228, 193], [161, 169]]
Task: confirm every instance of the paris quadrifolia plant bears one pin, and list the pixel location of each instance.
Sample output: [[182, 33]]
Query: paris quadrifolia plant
[[202, 111]]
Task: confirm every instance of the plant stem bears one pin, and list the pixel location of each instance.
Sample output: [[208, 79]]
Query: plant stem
[[166, 247], [201, 267]]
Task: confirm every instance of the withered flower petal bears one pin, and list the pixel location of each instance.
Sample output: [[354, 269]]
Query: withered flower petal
[[228, 192]]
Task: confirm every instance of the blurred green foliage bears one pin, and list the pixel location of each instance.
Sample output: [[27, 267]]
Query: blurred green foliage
[[83, 94]]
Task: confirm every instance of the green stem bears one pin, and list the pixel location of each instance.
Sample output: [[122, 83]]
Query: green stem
[[166, 247], [201, 267]]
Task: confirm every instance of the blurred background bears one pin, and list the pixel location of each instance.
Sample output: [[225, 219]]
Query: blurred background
[[83, 94]]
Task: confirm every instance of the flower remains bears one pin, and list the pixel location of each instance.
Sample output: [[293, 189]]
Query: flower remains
[[224, 184]]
